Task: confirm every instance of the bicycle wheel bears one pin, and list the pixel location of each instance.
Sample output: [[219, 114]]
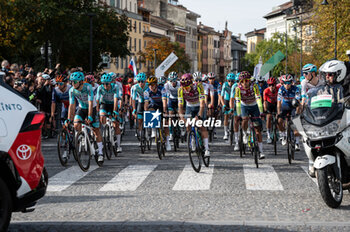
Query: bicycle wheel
[[114, 144], [193, 152], [289, 151], [63, 147], [240, 143], [206, 160], [159, 145], [274, 136], [107, 146], [82, 151], [231, 134], [255, 148], [143, 141]]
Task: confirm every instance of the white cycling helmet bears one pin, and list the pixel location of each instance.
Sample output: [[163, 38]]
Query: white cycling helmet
[[260, 79], [46, 76], [334, 66], [197, 76], [205, 77]]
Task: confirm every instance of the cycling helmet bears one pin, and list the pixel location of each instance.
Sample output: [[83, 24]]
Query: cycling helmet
[[61, 78], [53, 82], [260, 79], [286, 78], [237, 77], [204, 77], [77, 76], [197, 76], [211, 75], [173, 76], [113, 75], [334, 66], [271, 81], [141, 77], [152, 80], [46, 76], [106, 78], [309, 68], [231, 77], [301, 78], [89, 79], [186, 80], [161, 80], [244, 75]]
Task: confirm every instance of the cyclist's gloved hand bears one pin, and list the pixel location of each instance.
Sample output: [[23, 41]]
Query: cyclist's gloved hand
[[134, 111], [115, 113], [90, 120], [66, 122]]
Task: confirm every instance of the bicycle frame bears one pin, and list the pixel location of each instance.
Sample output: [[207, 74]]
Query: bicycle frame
[[87, 140]]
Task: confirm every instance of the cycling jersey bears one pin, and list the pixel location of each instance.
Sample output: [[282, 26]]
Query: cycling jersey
[[95, 87], [126, 90], [216, 88], [120, 86], [193, 96], [138, 93], [286, 96], [171, 90], [262, 89], [208, 89], [270, 96], [226, 91], [61, 97], [247, 97], [233, 90], [83, 97], [105, 96], [305, 86], [155, 98]]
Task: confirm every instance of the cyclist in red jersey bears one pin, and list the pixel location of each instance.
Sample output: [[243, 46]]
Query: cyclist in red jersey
[[127, 98], [270, 104]]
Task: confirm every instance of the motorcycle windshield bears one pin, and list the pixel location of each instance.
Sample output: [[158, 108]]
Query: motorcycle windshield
[[323, 105]]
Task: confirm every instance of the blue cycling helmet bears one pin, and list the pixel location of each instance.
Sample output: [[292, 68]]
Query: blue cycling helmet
[[237, 77], [231, 77], [309, 68], [173, 76], [106, 78], [112, 75], [141, 77], [301, 78], [77, 76]]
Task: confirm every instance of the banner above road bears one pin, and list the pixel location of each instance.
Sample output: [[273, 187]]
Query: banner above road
[[166, 64]]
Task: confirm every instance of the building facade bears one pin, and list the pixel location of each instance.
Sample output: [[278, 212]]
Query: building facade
[[238, 51], [253, 38]]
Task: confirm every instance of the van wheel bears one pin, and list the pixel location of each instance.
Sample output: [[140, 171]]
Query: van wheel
[[5, 206]]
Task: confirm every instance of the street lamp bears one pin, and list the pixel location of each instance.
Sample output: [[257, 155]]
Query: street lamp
[[90, 16], [324, 3]]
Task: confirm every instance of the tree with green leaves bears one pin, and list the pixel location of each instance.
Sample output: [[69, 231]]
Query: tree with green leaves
[[65, 24]]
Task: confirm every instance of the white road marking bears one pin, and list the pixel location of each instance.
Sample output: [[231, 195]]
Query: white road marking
[[306, 169], [189, 180], [262, 178], [66, 178], [129, 179]]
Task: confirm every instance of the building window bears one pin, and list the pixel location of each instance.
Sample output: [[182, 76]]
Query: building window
[[139, 27], [130, 25], [126, 5], [121, 63], [112, 3], [135, 8], [135, 44], [135, 27], [140, 45], [144, 30], [130, 7], [117, 63], [118, 3], [130, 43]]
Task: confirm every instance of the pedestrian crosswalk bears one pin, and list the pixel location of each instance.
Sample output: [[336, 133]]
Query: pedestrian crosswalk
[[131, 177]]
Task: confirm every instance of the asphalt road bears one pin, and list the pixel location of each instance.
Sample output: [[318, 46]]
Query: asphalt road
[[139, 192]]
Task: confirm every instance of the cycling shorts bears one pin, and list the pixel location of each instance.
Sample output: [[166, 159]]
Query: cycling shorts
[[252, 111], [82, 114], [140, 110], [271, 108], [173, 104], [192, 111], [285, 110]]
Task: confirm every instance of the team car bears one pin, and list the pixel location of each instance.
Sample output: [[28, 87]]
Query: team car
[[23, 177]]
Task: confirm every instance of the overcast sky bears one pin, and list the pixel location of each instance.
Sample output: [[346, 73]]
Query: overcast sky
[[242, 15]]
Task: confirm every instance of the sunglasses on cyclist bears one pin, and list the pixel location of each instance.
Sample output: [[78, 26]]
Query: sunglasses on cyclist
[[246, 80], [107, 84], [141, 81], [330, 74], [272, 85], [287, 82], [74, 82], [230, 81], [60, 83]]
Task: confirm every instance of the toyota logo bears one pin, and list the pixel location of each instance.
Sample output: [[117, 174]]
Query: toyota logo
[[24, 152]]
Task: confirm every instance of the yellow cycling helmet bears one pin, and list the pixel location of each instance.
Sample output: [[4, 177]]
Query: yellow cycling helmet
[[152, 80]]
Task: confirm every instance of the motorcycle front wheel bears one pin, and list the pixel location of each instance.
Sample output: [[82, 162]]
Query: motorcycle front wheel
[[331, 189]]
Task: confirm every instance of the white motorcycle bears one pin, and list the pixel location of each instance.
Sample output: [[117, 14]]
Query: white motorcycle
[[325, 128]]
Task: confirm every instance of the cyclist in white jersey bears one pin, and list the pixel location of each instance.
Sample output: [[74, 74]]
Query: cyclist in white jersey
[[208, 90], [311, 80], [171, 89]]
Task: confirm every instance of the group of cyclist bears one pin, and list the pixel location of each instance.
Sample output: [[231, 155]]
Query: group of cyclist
[[196, 95]]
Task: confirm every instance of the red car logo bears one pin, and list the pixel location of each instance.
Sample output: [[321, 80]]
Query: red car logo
[[24, 152]]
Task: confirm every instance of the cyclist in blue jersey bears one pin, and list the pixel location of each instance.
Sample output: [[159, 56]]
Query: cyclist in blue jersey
[[262, 84], [285, 97], [139, 100], [156, 99], [233, 109], [107, 98], [60, 95], [225, 100], [83, 93]]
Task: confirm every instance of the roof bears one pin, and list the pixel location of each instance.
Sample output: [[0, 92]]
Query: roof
[[279, 10], [256, 32]]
